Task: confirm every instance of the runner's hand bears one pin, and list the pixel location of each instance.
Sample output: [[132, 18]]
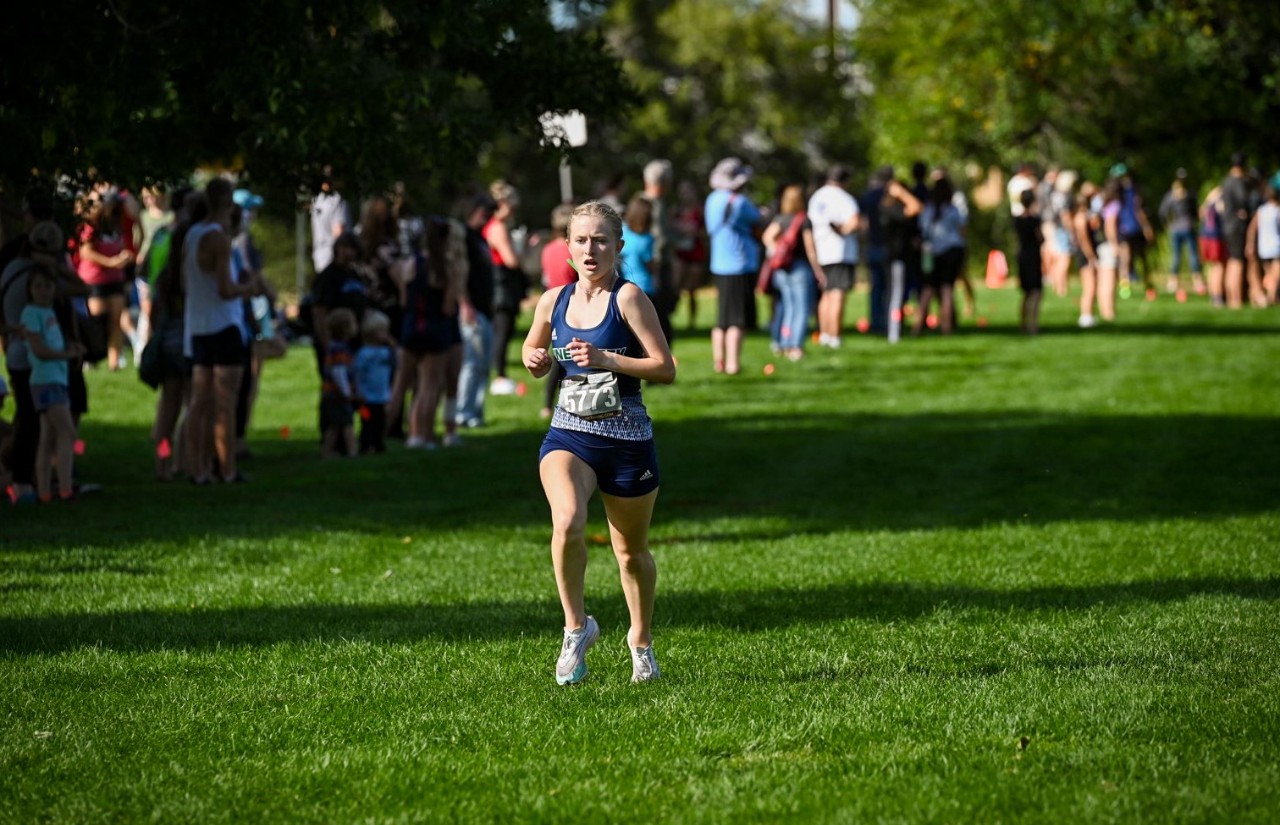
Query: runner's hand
[[584, 353], [537, 361]]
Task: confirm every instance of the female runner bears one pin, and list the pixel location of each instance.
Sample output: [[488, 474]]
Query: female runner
[[604, 333]]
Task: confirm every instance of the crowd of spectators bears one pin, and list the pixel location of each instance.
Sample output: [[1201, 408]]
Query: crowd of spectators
[[411, 316]]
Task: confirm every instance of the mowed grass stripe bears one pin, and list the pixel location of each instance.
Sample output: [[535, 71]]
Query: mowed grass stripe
[[982, 578]]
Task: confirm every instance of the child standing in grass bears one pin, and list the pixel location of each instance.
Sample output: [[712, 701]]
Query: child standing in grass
[[338, 391], [1030, 268], [375, 365], [49, 386], [639, 266]]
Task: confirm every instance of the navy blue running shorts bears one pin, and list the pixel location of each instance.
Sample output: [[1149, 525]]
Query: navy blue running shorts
[[627, 469]]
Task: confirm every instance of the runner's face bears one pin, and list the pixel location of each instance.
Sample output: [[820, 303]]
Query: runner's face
[[592, 246]]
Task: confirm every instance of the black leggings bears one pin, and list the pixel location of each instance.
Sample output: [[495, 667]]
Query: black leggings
[[26, 428], [373, 428], [504, 329], [553, 384], [242, 397]]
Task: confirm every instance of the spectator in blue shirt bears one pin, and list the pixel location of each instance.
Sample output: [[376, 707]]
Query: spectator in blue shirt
[[732, 221]]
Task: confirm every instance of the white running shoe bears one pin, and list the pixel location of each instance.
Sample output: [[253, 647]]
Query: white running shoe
[[571, 667], [1087, 322], [414, 442], [503, 386], [644, 667], [452, 440]]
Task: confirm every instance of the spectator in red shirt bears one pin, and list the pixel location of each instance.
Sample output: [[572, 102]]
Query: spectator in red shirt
[[102, 261]]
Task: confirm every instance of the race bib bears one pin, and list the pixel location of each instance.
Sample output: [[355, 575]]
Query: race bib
[[592, 396]]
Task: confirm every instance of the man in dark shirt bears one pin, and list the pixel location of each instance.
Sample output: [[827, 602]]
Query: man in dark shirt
[[914, 250], [900, 222], [339, 285], [474, 312], [869, 207], [1235, 225]]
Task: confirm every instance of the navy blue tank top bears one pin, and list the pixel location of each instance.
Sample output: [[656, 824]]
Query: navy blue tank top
[[611, 335]]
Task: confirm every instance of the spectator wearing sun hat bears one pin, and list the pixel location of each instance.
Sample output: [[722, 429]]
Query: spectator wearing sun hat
[[731, 221]]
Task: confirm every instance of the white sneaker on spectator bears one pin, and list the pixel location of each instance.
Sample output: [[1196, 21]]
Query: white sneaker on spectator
[[502, 386], [452, 440], [1087, 322]]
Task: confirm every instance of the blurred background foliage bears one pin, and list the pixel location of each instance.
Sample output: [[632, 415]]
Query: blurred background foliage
[[1156, 84], [446, 95]]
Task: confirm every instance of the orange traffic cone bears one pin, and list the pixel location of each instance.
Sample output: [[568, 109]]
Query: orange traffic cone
[[997, 269]]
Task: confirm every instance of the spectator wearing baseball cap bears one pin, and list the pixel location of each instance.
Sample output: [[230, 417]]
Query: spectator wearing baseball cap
[[245, 199]]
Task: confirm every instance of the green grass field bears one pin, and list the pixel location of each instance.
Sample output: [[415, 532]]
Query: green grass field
[[978, 579]]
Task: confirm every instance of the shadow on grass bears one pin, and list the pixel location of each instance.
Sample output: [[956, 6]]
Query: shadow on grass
[[1122, 330], [775, 476], [1231, 325], [743, 610]]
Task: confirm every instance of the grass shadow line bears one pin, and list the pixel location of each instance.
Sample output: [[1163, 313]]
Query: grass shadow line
[[740, 610]]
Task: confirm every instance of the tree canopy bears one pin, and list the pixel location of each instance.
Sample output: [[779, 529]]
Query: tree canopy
[[432, 92], [1154, 83], [387, 90], [752, 78]]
